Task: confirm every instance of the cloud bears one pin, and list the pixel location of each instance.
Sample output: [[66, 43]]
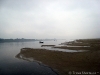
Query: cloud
[[50, 19]]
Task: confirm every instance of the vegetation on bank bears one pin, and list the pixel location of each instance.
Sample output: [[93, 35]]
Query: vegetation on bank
[[85, 44], [22, 40], [16, 40], [63, 61]]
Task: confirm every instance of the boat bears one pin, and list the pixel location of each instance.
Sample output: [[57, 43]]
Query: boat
[[41, 42]]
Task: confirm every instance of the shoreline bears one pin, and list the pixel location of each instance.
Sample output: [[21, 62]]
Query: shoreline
[[63, 61]]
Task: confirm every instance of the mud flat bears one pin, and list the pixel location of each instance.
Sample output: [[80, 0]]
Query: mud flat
[[47, 45], [73, 48], [86, 44], [83, 42], [65, 62]]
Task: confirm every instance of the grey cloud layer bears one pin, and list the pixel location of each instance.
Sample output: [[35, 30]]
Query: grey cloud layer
[[49, 18]]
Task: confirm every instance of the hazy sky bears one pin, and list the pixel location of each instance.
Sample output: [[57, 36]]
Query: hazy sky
[[66, 19]]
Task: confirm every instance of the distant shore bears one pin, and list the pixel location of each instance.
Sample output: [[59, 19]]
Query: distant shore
[[23, 40]]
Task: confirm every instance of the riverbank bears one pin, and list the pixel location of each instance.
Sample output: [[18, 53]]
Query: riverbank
[[64, 62], [81, 44]]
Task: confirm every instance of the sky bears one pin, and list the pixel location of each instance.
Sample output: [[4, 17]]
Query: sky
[[45, 19]]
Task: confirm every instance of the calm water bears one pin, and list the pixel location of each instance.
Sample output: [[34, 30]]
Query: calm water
[[9, 65]]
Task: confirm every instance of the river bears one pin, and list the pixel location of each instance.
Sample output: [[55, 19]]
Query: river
[[9, 65]]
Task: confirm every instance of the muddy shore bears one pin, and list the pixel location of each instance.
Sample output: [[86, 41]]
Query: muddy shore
[[85, 44], [64, 62]]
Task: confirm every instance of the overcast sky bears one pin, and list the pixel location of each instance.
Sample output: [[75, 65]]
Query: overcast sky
[[67, 19]]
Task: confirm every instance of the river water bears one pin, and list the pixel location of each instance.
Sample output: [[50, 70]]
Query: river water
[[9, 65]]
